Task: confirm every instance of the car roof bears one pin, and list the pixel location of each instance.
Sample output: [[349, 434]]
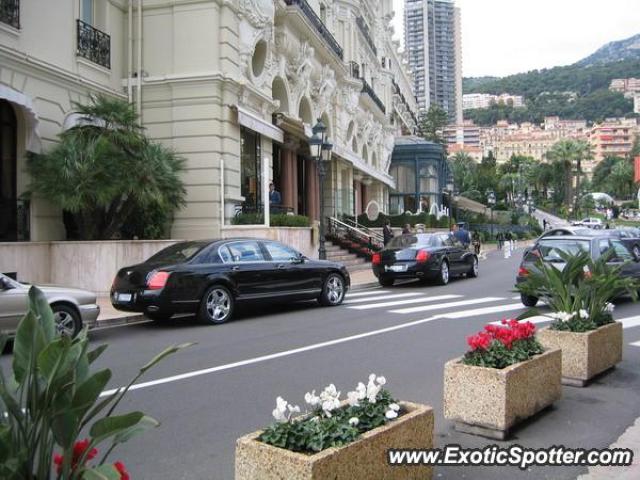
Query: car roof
[[572, 237]]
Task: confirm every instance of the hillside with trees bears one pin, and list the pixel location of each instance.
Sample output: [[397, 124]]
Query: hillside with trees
[[579, 91]]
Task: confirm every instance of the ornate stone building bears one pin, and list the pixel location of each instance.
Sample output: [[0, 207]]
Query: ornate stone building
[[232, 86]]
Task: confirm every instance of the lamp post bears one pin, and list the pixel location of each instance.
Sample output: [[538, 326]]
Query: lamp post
[[491, 200], [321, 152], [448, 190]]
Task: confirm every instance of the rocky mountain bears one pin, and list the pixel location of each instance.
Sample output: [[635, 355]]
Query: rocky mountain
[[626, 49]]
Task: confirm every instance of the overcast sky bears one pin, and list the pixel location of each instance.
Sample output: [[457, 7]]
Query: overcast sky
[[501, 37]]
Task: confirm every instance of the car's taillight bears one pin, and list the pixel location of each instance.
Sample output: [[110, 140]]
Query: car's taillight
[[157, 280], [376, 259], [523, 272], [422, 256]]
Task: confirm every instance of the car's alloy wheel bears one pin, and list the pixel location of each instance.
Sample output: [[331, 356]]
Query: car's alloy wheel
[[473, 271], [444, 273], [217, 305], [67, 320], [333, 290]]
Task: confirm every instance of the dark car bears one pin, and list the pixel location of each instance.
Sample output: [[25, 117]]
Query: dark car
[[549, 251], [209, 278], [428, 256], [630, 236], [568, 230]]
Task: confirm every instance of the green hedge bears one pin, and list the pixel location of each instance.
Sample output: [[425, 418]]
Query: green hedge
[[429, 221], [276, 220]]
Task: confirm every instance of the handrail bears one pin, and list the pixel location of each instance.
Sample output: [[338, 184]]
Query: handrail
[[364, 229], [370, 237]]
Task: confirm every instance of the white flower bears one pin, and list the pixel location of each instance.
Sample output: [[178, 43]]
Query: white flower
[[609, 307], [354, 421], [372, 377], [312, 399], [381, 380], [352, 399], [279, 413], [293, 409], [583, 314], [361, 390], [391, 414], [562, 316], [394, 406]]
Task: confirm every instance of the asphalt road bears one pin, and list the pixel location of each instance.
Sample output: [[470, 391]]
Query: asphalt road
[[225, 386]]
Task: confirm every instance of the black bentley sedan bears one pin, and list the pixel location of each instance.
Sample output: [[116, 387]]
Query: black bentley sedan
[[209, 278], [428, 256]]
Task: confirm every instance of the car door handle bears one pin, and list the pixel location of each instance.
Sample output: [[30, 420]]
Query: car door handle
[[235, 268], [281, 266]]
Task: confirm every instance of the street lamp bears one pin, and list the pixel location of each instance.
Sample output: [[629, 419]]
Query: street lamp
[[491, 200], [448, 190], [321, 152]]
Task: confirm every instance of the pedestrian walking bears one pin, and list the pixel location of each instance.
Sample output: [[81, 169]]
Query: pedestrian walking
[[475, 240], [387, 232], [463, 236], [500, 240], [406, 230], [544, 224]]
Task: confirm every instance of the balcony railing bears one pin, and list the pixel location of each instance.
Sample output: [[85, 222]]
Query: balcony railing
[[364, 29], [319, 25], [94, 45], [366, 88], [10, 12], [397, 91]]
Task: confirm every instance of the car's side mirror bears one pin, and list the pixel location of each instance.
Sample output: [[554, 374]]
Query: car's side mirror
[[299, 259]]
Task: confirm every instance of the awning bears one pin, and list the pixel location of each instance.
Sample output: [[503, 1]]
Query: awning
[[358, 163], [257, 124], [30, 115], [294, 126]]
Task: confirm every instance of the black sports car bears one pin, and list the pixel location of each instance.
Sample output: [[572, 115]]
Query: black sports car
[[424, 256], [208, 278]]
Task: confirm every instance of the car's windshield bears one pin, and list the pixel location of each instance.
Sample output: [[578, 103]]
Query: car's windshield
[[408, 241], [180, 252], [550, 250]]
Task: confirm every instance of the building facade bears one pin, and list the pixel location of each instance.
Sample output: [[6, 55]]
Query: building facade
[[471, 101], [233, 87], [613, 138], [433, 42]]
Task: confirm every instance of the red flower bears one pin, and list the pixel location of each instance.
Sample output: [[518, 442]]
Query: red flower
[[79, 449], [480, 341], [119, 466]]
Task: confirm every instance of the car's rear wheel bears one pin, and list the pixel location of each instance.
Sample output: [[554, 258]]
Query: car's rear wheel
[[158, 316], [216, 306], [67, 320], [443, 275], [386, 282], [333, 290], [473, 269], [528, 300]]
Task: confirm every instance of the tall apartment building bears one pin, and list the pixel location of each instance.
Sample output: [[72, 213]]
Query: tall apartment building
[[613, 138], [433, 42]]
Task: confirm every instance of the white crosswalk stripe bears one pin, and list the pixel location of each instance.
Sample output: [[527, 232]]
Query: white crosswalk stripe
[[375, 291], [635, 344], [537, 319], [383, 297], [395, 303], [630, 322], [427, 308], [481, 311]]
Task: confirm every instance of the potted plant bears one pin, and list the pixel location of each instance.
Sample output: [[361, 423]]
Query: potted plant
[[52, 398], [505, 377], [579, 296], [338, 439]]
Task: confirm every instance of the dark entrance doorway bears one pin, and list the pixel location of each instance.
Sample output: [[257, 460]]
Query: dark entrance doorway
[[8, 167]]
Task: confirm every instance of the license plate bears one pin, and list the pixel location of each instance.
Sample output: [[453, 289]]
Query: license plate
[[123, 297], [396, 268]]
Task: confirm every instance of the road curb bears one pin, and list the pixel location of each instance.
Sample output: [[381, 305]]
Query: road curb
[[117, 321], [364, 286]]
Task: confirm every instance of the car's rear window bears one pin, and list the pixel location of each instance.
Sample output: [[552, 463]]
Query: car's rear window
[[408, 241], [180, 252], [551, 249]]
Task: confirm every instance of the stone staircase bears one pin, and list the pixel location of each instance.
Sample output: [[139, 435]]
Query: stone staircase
[[335, 253]]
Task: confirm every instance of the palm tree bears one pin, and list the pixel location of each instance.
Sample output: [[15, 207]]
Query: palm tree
[[105, 172], [566, 153]]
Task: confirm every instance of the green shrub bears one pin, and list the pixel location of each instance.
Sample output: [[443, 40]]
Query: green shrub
[[276, 220]]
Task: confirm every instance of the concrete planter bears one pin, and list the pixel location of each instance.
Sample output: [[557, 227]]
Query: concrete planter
[[488, 401], [585, 355], [364, 458]]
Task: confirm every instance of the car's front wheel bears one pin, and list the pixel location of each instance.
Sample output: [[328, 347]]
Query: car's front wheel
[[67, 320], [216, 306], [528, 300], [333, 290]]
